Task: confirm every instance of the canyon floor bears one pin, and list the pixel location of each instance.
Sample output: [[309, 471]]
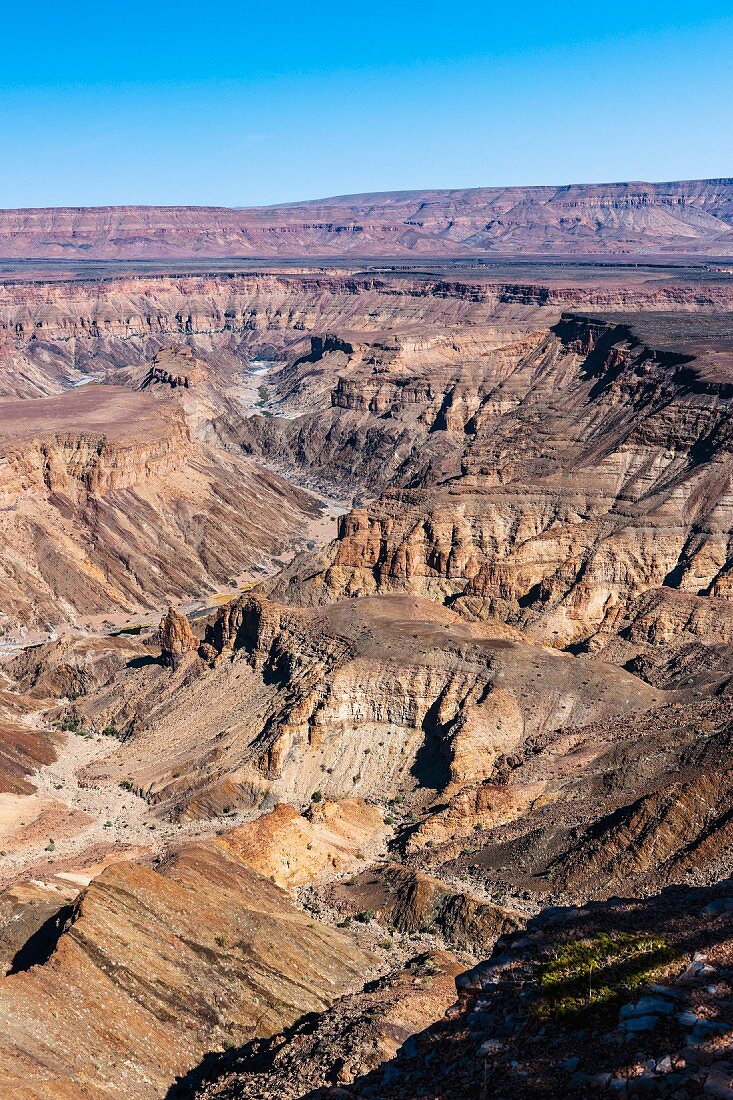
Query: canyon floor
[[366, 666]]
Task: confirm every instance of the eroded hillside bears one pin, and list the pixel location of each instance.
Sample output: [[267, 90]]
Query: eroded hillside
[[683, 216], [501, 684]]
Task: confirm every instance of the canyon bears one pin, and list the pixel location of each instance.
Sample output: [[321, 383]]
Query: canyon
[[367, 649]]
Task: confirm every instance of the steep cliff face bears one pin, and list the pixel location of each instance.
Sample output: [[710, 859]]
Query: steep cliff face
[[374, 698], [53, 334], [108, 505], [689, 216], [589, 468]]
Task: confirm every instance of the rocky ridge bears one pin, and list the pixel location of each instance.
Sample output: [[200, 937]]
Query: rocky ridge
[[219, 955], [688, 216]]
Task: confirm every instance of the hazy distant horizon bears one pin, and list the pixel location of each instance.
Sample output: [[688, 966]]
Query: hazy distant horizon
[[369, 194]]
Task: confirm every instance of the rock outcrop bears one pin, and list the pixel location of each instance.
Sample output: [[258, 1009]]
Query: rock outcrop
[[355, 1036], [291, 849], [414, 902], [175, 638]]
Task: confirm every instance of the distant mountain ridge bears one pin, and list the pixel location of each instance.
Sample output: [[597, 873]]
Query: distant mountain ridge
[[686, 217]]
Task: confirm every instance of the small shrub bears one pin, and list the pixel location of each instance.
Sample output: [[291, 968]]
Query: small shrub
[[316, 797], [70, 723]]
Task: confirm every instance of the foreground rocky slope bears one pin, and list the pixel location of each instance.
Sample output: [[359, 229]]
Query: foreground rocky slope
[[155, 966], [687, 216], [627, 998]]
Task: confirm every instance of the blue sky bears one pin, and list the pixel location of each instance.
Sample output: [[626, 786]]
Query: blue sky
[[254, 103]]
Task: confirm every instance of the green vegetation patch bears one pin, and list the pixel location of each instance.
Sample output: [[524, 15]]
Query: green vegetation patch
[[601, 972], [71, 723]]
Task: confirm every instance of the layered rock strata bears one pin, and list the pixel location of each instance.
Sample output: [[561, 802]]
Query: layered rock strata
[[688, 216], [156, 966]]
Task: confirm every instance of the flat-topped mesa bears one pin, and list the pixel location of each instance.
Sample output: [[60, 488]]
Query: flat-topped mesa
[[93, 440], [688, 216], [176, 638], [109, 501]]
